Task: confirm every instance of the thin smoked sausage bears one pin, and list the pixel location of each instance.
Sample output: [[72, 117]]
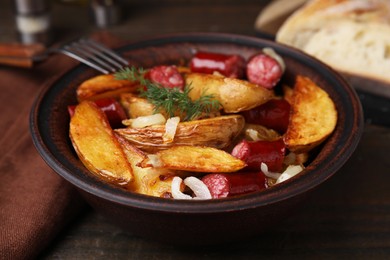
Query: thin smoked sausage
[[264, 70], [232, 66], [253, 153], [167, 76], [223, 185]]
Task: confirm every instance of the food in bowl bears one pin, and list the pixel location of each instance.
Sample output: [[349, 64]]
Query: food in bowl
[[198, 222], [220, 124]]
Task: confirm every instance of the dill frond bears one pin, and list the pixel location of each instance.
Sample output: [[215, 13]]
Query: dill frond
[[172, 100]]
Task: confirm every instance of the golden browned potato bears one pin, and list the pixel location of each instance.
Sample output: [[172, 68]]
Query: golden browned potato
[[149, 181], [136, 106], [183, 70], [288, 94], [235, 95], [217, 132], [97, 147], [313, 116], [104, 86], [194, 159]]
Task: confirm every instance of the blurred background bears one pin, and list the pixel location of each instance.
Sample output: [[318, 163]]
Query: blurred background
[[133, 19], [127, 20]]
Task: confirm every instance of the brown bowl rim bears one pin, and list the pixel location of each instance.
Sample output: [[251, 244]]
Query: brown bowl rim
[[348, 134]]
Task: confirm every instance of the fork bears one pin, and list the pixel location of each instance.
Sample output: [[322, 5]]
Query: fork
[[94, 55], [87, 51]]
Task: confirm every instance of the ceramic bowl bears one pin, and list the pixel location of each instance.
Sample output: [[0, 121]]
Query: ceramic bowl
[[196, 222]]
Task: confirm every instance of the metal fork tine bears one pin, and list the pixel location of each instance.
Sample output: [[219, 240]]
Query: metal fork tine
[[83, 60], [101, 54], [90, 55], [109, 52], [94, 55]]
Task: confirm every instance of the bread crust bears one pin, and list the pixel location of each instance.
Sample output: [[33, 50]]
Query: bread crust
[[352, 36]]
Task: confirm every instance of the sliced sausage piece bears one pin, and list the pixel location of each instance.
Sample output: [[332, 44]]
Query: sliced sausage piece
[[273, 114], [254, 153], [264, 70], [232, 66], [113, 110], [223, 185], [167, 76]]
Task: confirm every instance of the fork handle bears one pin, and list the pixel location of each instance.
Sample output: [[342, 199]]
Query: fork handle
[[19, 55]]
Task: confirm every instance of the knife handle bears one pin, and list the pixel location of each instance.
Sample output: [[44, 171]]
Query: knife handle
[[20, 55]]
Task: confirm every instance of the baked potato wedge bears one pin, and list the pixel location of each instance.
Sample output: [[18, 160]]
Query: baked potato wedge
[[96, 145], [313, 116], [104, 86], [235, 95], [136, 106], [217, 132], [148, 181], [288, 93], [194, 159]]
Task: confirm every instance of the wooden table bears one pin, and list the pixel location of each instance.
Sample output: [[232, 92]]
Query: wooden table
[[347, 217]]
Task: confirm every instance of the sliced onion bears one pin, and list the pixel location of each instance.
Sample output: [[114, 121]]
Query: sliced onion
[[170, 129], [273, 175], [252, 134], [176, 191], [270, 52], [291, 171], [198, 187], [154, 161], [217, 73], [144, 121]]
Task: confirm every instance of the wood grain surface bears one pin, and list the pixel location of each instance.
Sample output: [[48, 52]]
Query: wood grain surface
[[347, 217]]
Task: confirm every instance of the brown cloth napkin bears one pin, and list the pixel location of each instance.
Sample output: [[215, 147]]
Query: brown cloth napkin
[[35, 202]]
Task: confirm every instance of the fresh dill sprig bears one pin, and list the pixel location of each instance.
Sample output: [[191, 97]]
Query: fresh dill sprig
[[173, 100], [132, 74]]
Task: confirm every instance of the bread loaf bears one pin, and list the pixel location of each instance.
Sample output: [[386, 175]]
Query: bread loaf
[[352, 36]]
